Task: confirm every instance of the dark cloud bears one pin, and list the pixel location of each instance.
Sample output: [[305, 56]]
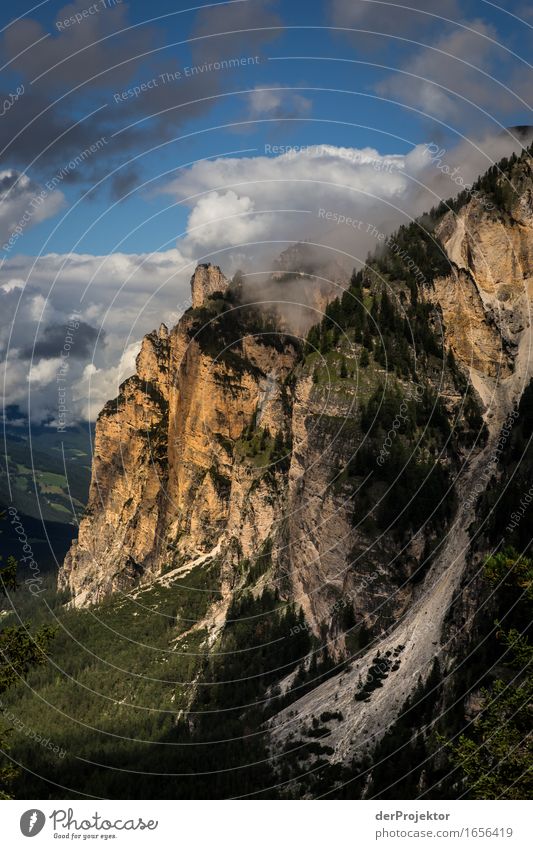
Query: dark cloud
[[43, 130], [39, 137], [51, 341], [189, 88], [242, 27], [8, 182], [407, 19], [123, 182], [127, 296], [19, 208], [451, 62], [94, 52], [457, 79]]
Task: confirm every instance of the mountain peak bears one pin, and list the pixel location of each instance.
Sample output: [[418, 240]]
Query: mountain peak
[[206, 280]]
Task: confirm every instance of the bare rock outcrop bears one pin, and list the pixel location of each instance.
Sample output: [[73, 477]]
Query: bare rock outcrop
[[173, 473], [206, 280]]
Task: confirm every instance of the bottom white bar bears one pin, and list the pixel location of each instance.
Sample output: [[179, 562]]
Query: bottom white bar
[[262, 824]]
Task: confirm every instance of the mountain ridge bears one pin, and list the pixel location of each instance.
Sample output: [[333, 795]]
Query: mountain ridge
[[240, 447]]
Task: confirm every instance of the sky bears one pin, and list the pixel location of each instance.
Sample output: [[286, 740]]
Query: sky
[[138, 139]]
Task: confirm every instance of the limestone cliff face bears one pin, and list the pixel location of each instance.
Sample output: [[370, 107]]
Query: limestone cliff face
[[334, 563], [171, 477], [485, 301], [186, 466], [118, 534], [206, 280]]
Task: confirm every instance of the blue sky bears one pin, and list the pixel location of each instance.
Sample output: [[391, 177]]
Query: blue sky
[[335, 86], [187, 168]]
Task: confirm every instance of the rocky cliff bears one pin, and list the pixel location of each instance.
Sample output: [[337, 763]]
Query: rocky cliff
[[207, 281], [173, 476], [337, 470]]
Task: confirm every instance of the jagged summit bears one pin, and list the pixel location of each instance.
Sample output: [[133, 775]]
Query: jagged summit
[[206, 280]]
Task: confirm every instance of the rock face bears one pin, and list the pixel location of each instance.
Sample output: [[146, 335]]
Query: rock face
[[485, 302], [119, 535], [171, 479], [206, 280], [186, 464], [227, 441]]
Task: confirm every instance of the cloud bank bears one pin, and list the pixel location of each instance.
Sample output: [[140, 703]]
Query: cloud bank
[[243, 212]]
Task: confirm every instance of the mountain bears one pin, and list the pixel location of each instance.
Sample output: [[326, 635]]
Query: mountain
[[298, 514], [46, 475]]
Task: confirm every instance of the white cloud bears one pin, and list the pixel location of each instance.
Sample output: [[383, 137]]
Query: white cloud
[[126, 296], [269, 201], [10, 285], [277, 102], [224, 218], [274, 200], [277, 200], [44, 371], [98, 385]]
